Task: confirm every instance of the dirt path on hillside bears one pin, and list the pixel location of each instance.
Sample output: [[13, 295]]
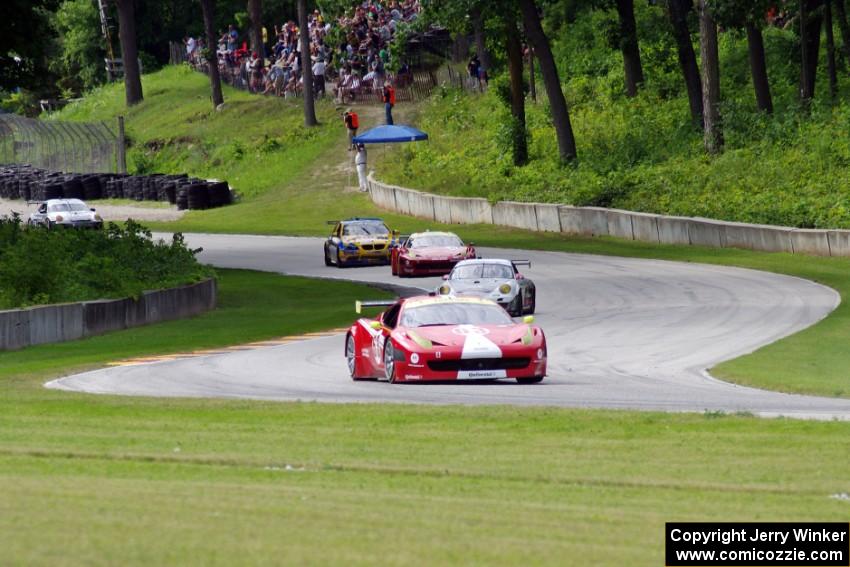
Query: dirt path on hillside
[[338, 170]]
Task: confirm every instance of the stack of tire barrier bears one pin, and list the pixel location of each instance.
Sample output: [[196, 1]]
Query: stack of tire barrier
[[34, 184]]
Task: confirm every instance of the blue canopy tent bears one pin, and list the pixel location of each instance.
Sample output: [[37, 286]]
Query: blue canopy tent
[[391, 135]]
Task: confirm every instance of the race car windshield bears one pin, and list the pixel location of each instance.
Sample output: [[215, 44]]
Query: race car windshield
[[78, 207], [365, 229], [455, 314], [58, 208], [434, 242], [482, 271]]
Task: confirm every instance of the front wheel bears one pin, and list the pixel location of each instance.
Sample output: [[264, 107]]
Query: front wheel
[[515, 306], [350, 357], [389, 362], [533, 305], [533, 380], [327, 258]]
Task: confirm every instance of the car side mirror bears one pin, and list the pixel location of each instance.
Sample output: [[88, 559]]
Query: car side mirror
[[528, 319], [376, 325], [92, 210]]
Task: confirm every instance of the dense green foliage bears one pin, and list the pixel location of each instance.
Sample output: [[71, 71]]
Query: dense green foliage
[[39, 266], [789, 168], [78, 63]]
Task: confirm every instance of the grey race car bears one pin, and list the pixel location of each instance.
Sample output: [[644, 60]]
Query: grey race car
[[65, 213], [497, 280]]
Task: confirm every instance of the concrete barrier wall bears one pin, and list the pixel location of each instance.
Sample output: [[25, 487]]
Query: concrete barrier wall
[[517, 215], [597, 221], [21, 328]]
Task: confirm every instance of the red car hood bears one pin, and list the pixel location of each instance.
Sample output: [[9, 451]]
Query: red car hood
[[462, 335], [436, 253]]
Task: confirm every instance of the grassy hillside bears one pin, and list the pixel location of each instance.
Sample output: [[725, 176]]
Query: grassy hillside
[[792, 168], [255, 143]]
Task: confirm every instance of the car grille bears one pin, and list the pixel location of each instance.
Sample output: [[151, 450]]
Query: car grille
[[478, 364], [436, 264], [373, 246]]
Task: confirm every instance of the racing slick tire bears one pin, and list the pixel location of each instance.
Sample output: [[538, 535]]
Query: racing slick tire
[[530, 310], [389, 362], [515, 306], [532, 380], [327, 258], [350, 358]]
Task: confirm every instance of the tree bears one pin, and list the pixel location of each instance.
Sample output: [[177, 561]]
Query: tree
[[749, 15], [629, 46], [841, 16], [23, 52], [513, 48], [255, 11], [208, 9], [677, 11], [713, 132], [557, 103], [306, 66], [830, 49], [480, 38], [810, 26], [129, 52], [758, 68]]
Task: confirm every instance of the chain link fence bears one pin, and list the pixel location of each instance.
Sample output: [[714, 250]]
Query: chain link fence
[[78, 147]]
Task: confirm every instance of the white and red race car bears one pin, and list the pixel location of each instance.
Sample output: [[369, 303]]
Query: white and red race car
[[439, 338]]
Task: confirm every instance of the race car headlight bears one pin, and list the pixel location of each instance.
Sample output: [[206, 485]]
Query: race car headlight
[[351, 247], [445, 290], [505, 289]]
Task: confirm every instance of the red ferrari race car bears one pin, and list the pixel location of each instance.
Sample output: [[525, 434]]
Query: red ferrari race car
[[429, 254], [441, 338]]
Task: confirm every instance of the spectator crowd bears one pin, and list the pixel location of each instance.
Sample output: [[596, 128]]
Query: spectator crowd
[[350, 57]]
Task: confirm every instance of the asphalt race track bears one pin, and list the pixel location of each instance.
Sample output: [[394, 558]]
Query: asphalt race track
[[622, 333]]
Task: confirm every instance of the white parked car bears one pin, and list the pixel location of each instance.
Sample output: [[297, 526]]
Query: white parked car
[[497, 280], [65, 213]]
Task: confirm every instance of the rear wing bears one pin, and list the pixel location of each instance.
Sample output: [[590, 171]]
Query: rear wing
[[521, 263], [359, 305]]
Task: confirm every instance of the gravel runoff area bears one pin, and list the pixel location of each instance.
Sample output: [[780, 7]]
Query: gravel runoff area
[[109, 212]]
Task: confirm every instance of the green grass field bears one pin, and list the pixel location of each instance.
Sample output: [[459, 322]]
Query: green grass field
[[106, 480]]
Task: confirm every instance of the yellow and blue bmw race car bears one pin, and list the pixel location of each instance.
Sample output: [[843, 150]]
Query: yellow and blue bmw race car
[[359, 241]]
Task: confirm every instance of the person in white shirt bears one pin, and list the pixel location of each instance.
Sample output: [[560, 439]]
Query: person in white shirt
[[319, 77], [360, 163]]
